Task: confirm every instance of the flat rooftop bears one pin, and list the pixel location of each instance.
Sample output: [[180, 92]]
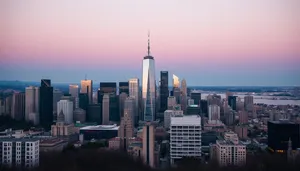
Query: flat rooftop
[[186, 120], [283, 122], [230, 143], [50, 141], [19, 139], [101, 127]]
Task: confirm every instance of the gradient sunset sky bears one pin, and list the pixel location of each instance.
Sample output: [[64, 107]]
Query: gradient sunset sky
[[207, 42]]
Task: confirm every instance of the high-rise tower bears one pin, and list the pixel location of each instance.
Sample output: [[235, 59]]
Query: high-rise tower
[[164, 90], [148, 86]]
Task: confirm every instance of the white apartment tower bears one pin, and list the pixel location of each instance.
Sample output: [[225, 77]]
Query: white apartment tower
[[185, 137], [66, 107], [19, 152], [32, 104]]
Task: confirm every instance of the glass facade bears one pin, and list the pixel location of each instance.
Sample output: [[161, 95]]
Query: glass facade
[[148, 88]]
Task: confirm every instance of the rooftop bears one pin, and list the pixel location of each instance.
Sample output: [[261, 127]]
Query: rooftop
[[186, 120], [193, 105], [51, 141], [19, 139], [224, 142], [282, 122], [101, 127]]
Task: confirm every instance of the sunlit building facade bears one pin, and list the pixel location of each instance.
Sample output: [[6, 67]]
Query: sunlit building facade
[[87, 87], [134, 92], [148, 86]]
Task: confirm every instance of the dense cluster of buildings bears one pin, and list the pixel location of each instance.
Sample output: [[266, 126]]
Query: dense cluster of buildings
[[139, 120]]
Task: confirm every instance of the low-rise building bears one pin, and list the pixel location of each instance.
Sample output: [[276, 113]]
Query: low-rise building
[[19, 152]]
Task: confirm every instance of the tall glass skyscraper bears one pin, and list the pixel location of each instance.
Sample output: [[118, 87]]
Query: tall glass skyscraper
[[148, 86]]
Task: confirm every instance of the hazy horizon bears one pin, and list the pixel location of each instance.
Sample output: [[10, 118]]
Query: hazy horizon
[[207, 42]]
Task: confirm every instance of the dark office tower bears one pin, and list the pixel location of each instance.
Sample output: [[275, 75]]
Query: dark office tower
[[124, 87], [114, 113], [196, 96], [232, 102], [83, 101], [18, 106], [107, 87], [94, 113], [204, 107], [46, 104], [279, 133], [164, 90]]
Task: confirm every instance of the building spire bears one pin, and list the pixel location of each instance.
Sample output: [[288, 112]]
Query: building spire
[[148, 43]]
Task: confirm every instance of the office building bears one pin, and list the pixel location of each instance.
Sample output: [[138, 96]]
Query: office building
[[32, 103], [196, 96], [129, 107], [57, 94], [122, 98], [66, 107], [213, 114], [190, 102], [94, 113], [105, 109], [79, 115], [8, 105], [18, 106], [148, 86], [229, 151], [46, 104], [164, 90], [114, 110], [176, 88], [106, 88], [193, 110], [183, 98], [74, 92], [126, 130], [167, 117], [243, 117], [134, 92], [87, 88], [83, 101], [99, 132], [19, 152], [232, 102], [279, 133], [248, 103], [148, 145], [204, 107], [124, 87], [185, 137], [171, 102], [241, 131]]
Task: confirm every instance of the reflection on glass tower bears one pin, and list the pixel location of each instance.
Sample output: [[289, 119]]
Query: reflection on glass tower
[[148, 86]]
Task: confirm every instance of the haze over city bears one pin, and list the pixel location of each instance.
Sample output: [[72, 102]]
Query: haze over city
[[206, 42]]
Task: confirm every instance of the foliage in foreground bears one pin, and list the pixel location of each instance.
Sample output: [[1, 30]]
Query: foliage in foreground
[[91, 159]]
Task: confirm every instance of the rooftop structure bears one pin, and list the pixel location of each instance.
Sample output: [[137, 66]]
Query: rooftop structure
[[101, 127]]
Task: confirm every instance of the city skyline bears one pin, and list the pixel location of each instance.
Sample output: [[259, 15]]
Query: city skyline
[[207, 43]]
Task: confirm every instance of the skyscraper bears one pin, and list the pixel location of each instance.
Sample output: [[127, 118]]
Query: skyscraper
[[124, 87], [106, 88], [18, 106], [74, 92], [87, 87], [148, 86], [134, 92], [66, 107], [176, 88], [32, 103], [46, 103], [248, 103], [164, 90], [183, 95], [122, 98], [105, 109], [232, 102], [148, 144]]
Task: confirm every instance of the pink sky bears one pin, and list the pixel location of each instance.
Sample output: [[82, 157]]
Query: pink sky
[[103, 32]]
